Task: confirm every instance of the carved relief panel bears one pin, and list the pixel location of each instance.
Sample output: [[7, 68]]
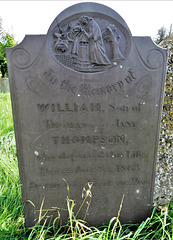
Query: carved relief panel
[[90, 44]]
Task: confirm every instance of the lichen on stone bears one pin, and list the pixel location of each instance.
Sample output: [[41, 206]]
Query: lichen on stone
[[164, 171]]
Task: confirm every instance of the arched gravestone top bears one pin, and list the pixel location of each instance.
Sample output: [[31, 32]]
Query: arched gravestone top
[[89, 38], [89, 8], [87, 100]]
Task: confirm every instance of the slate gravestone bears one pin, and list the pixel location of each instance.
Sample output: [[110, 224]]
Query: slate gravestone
[[4, 85], [87, 100]]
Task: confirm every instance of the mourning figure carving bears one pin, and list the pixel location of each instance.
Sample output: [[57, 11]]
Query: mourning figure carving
[[85, 47], [115, 39], [90, 34]]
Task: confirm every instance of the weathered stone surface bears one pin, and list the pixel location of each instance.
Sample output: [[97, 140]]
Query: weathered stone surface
[[4, 85], [87, 101], [164, 171]]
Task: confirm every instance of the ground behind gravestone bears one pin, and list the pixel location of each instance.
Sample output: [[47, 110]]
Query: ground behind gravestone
[[158, 226]]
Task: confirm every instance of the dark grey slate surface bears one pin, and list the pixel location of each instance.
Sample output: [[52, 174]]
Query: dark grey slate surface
[[87, 101]]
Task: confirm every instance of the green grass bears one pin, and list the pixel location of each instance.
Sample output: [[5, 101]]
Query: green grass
[[159, 226], [6, 119]]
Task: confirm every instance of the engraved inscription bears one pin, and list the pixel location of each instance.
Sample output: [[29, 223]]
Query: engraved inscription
[[86, 108], [67, 108], [136, 154], [90, 139], [50, 80], [87, 89], [68, 87], [133, 182], [51, 186], [114, 107], [124, 124], [44, 171], [50, 124], [128, 155]]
